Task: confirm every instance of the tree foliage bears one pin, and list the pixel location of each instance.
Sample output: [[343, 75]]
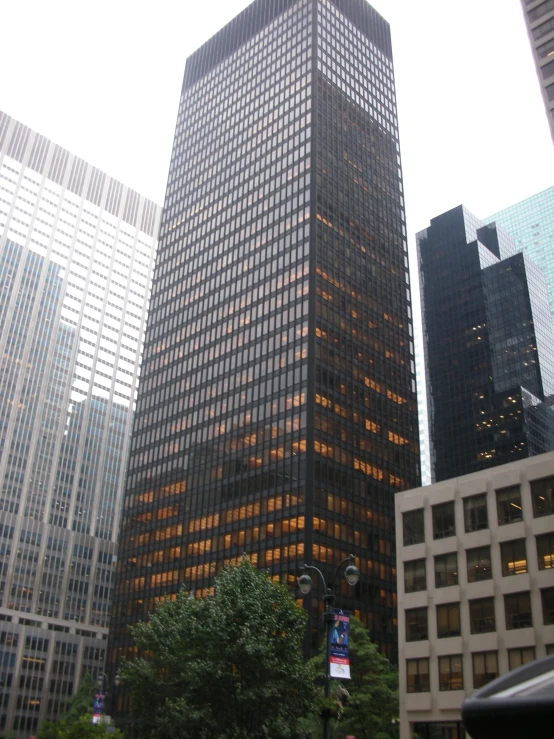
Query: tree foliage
[[78, 728], [228, 666], [76, 722], [370, 704], [81, 703]]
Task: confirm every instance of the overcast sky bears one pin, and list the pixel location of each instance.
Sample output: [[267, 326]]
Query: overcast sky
[[103, 80]]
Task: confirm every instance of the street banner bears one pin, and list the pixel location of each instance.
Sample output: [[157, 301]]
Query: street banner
[[98, 707], [340, 664]]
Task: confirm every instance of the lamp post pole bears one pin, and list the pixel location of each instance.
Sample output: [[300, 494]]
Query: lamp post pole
[[352, 575]]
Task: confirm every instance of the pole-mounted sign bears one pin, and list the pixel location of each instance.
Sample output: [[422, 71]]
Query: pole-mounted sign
[[339, 661]]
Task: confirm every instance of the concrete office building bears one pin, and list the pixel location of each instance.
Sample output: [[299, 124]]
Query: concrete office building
[[489, 347], [76, 258], [277, 414], [539, 18], [475, 587]]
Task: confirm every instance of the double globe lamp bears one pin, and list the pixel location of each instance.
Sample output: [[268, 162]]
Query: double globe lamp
[[351, 575]]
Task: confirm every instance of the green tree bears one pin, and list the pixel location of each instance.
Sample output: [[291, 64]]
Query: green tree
[[81, 703], [79, 728], [76, 721], [229, 666], [365, 705]]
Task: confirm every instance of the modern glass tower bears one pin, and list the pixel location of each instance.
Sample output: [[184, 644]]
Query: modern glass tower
[[76, 258], [530, 223], [277, 411], [489, 347]]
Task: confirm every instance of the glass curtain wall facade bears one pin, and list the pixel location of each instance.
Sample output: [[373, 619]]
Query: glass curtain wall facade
[[277, 413], [489, 347], [76, 257], [530, 223]]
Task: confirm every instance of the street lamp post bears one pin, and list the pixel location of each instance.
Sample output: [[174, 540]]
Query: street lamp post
[[352, 575]]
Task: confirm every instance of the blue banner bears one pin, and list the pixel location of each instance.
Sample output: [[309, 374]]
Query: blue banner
[[98, 705], [340, 663]]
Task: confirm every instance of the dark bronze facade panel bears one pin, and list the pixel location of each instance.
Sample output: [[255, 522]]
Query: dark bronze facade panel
[[277, 411]]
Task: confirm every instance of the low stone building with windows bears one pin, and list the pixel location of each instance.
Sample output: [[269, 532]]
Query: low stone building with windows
[[475, 561]]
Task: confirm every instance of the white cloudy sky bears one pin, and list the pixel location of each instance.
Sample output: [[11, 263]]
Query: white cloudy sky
[[103, 79]]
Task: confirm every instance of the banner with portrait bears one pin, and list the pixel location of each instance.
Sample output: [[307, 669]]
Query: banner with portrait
[[340, 663]]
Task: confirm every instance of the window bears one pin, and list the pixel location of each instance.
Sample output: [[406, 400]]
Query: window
[[475, 513], [479, 564], [416, 624], [481, 615], [485, 668], [513, 557], [545, 551], [517, 607], [414, 576], [546, 50], [508, 503], [547, 596], [448, 620], [414, 532], [541, 10], [446, 570], [439, 730], [542, 497], [549, 649], [417, 671], [519, 657], [443, 521], [547, 70], [450, 673]]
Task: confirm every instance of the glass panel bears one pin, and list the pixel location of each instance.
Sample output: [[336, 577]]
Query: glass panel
[[517, 607], [519, 657], [485, 668], [542, 496], [547, 596], [479, 564], [508, 502], [481, 615], [416, 624], [446, 570], [417, 671], [513, 557], [448, 620], [414, 576], [545, 551], [475, 513], [443, 521], [414, 532], [451, 673]]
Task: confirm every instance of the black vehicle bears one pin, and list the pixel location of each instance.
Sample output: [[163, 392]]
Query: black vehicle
[[515, 705]]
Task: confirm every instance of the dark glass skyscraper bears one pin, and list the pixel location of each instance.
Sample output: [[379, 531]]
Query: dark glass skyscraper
[[489, 347], [277, 412]]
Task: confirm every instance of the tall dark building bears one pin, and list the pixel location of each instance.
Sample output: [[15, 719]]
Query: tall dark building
[[277, 412], [489, 347]]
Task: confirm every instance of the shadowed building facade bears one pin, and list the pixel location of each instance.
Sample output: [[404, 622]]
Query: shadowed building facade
[[277, 411], [489, 347]]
